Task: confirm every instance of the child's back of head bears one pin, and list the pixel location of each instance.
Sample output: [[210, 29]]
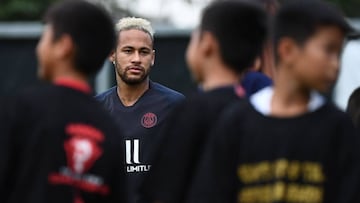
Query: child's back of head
[[90, 28], [240, 28]]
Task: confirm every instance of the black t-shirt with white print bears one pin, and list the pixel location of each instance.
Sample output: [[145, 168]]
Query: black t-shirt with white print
[[140, 125]]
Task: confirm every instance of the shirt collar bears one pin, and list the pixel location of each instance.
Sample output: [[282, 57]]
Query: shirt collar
[[74, 84]]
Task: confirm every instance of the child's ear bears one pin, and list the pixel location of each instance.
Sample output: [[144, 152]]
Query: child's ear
[[208, 44], [64, 46], [257, 64], [287, 50]]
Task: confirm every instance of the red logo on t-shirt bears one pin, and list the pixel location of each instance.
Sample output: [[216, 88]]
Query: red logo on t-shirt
[[149, 120], [82, 150], [81, 154]]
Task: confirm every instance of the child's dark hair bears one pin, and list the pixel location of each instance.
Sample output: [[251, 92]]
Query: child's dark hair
[[353, 107], [90, 28], [269, 5], [240, 28], [299, 20]]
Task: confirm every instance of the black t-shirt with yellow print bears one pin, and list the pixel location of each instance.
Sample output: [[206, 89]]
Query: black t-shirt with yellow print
[[252, 157]]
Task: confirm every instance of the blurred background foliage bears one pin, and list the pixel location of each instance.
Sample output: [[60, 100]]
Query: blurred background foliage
[[350, 7], [30, 10], [23, 10]]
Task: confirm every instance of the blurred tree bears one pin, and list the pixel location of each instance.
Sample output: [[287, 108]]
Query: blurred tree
[[30, 10], [350, 7], [11, 10], [24, 10], [113, 7]]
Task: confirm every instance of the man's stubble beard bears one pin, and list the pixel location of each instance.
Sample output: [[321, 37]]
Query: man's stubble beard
[[129, 81]]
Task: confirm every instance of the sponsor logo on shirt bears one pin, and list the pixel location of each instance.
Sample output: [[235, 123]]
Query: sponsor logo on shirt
[[281, 180], [132, 158], [149, 120], [82, 151]]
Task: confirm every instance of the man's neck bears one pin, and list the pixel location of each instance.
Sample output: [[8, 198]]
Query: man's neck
[[130, 94], [290, 98]]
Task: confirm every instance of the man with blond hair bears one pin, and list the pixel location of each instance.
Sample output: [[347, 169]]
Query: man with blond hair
[[139, 105]]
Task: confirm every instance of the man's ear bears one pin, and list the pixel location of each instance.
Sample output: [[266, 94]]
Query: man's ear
[[287, 50], [112, 57], [153, 58]]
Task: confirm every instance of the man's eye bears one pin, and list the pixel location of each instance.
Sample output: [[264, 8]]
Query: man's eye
[[127, 51], [144, 52]]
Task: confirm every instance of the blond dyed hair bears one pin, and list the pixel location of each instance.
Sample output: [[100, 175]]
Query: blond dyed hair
[[130, 23]]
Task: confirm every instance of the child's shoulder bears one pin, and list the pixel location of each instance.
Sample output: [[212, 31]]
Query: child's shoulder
[[333, 111]]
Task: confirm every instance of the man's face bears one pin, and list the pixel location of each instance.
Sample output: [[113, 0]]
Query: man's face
[[134, 56], [318, 62], [45, 54]]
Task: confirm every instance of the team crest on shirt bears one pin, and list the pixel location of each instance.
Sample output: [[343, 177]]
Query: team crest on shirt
[[149, 120]]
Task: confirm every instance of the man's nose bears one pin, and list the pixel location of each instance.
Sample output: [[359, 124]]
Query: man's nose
[[136, 57]]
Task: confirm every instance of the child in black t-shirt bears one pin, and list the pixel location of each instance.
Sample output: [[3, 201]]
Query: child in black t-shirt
[[57, 144], [288, 144], [230, 36]]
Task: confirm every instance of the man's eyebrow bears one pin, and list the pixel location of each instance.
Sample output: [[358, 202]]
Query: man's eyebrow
[[131, 47], [145, 48], [127, 47]]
